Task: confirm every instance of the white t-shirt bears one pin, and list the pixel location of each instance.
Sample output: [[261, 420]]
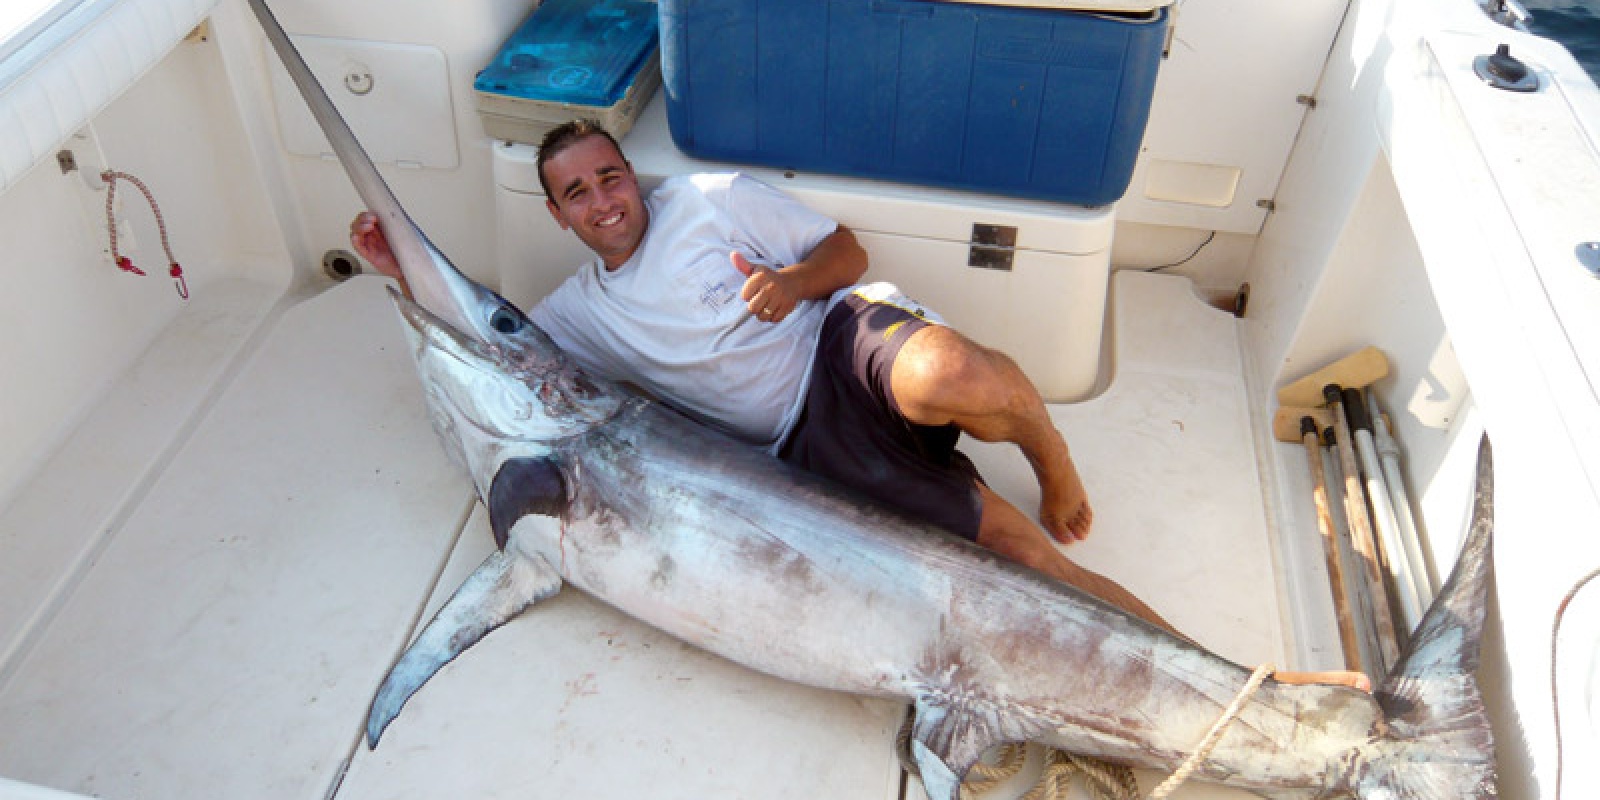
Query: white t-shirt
[[670, 319]]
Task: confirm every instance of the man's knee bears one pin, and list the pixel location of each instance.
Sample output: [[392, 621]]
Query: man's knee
[[940, 374]]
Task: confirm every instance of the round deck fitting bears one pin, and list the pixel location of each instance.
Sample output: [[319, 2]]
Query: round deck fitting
[[1505, 71]]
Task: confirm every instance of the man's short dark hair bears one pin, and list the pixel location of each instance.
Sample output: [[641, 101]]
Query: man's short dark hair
[[562, 137]]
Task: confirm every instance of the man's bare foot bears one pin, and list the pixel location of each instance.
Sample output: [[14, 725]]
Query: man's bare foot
[[1064, 508], [1354, 680]]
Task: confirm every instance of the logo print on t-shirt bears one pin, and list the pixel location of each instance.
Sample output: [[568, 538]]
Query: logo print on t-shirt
[[715, 296]]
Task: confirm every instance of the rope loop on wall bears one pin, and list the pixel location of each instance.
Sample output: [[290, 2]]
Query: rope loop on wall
[[123, 262]]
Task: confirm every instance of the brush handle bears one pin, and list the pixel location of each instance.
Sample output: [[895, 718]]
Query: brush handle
[[1361, 536], [1348, 641]]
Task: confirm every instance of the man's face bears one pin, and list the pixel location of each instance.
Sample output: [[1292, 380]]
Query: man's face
[[594, 194]]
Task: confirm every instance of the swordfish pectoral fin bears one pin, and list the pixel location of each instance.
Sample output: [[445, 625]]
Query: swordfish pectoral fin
[[524, 486], [500, 589], [948, 739]]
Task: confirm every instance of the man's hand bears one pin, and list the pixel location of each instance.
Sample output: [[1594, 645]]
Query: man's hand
[[769, 294], [368, 240]]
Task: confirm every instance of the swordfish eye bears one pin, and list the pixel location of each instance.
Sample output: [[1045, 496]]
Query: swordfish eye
[[507, 319]]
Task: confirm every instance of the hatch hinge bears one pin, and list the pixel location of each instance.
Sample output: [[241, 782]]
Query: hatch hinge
[[992, 246], [1307, 100]]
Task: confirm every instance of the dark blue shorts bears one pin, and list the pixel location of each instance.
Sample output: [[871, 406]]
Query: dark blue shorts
[[851, 430]]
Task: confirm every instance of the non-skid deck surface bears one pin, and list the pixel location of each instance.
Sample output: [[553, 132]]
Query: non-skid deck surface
[[227, 640]]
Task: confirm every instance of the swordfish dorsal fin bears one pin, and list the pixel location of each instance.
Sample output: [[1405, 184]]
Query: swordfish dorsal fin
[[506, 583]]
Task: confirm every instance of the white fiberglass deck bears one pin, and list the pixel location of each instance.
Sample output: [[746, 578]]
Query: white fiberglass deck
[[225, 637]]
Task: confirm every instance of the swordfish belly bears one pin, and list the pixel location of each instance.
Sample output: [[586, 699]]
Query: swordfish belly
[[736, 552]]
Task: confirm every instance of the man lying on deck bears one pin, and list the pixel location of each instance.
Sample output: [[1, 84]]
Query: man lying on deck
[[736, 305]]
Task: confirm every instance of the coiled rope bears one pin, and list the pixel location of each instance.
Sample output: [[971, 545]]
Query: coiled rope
[[1103, 780]]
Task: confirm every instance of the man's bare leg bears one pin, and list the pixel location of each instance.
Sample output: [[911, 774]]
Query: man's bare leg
[[1007, 531], [941, 377]]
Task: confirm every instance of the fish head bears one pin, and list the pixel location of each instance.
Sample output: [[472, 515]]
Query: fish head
[[436, 284], [504, 389]]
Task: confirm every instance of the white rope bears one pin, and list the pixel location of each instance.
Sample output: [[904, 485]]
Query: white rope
[[1209, 741]]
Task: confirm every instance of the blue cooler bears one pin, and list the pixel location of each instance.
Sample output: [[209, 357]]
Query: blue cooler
[[570, 59], [1028, 101]]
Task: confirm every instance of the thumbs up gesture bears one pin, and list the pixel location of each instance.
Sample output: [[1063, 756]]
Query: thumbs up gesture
[[769, 294]]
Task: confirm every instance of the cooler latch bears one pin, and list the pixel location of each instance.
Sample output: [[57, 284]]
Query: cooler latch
[[992, 246]]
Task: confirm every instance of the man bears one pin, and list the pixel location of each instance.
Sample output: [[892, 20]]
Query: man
[[714, 296]]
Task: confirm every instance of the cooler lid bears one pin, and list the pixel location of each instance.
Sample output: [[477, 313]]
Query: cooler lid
[[579, 52], [1088, 6]]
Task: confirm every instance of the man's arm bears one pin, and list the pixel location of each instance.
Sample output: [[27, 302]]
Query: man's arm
[[836, 262]]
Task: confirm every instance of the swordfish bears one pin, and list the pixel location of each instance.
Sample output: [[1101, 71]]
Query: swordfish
[[730, 549], [736, 552]]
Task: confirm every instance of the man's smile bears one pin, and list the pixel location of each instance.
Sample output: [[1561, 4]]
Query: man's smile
[[599, 199]]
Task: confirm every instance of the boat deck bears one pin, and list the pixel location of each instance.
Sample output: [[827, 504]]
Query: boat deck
[[209, 617]]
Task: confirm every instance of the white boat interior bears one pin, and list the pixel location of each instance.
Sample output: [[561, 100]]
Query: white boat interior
[[223, 516]]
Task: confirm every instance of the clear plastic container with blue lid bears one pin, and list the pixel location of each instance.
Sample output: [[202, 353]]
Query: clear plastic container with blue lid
[[572, 58]]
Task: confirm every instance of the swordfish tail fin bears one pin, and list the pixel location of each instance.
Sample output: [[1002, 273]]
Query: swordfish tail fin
[[1435, 741]]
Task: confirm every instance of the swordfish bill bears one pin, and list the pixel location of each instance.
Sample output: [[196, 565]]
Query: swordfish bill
[[774, 568], [432, 278]]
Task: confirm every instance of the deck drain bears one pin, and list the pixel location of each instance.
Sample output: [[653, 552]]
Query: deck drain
[[341, 265]]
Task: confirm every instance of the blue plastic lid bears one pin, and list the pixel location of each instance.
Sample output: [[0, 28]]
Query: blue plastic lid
[[582, 52]]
